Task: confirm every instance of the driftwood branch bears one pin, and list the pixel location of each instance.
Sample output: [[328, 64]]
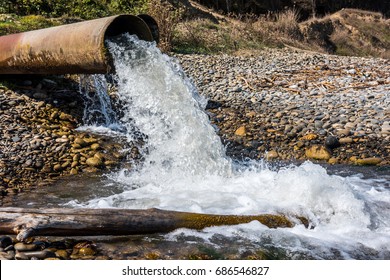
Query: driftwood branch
[[27, 222]]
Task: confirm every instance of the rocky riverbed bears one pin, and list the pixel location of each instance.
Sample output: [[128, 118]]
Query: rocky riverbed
[[278, 104], [39, 143], [283, 104]]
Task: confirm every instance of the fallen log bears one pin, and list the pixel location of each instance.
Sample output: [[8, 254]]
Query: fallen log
[[26, 222]]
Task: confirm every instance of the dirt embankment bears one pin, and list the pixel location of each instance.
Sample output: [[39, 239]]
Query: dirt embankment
[[349, 32], [306, 7]]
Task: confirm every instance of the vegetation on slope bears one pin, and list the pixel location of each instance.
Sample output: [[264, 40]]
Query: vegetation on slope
[[187, 26]]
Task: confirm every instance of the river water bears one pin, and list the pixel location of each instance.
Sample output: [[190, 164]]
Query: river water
[[185, 168]]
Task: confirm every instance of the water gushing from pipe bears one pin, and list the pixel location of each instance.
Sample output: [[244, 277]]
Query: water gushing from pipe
[[185, 168]]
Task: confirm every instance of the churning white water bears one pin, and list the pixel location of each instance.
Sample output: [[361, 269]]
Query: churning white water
[[185, 168]]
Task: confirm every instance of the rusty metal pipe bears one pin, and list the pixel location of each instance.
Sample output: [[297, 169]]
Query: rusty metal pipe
[[69, 49]]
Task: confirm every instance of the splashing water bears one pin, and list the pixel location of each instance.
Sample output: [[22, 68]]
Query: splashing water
[[185, 168], [97, 102]]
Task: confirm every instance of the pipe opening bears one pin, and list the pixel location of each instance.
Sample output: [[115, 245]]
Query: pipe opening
[[153, 26], [131, 24], [71, 48]]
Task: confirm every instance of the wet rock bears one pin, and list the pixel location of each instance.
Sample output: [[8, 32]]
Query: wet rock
[[81, 142], [368, 161], [73, 171], [309, 137], [57, 167], [318, 153], [271, 155], [39, 254], [90, 169], [94, 162], [343, 132], [241, 131], [95, 146], [6, 256], [20, 256], [211, 104], [5, 241], [40, 95], [332, 142], [63, 254], [22, 247], [346, 140], [87, 251]]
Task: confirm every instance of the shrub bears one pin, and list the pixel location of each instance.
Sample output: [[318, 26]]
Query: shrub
[[86, 9], [167, 16]]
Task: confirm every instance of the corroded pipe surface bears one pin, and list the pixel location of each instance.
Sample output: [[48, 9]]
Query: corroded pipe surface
[[69, 49]]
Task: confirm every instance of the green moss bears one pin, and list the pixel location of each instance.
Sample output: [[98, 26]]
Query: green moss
[[16, 24], [33, 22], [86, 9]]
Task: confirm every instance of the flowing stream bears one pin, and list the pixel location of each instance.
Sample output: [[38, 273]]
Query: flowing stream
[[185, 168]]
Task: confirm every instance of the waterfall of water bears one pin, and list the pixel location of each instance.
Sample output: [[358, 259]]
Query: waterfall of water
[[98, 109], [160, 101]]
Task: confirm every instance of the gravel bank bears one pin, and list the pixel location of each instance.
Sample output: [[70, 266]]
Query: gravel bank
[[293, 105], [38, 140]]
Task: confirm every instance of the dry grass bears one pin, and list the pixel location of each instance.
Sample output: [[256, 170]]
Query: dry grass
[[167, 17], [360, 33], [237, 33], [287, 23], [348, 32]]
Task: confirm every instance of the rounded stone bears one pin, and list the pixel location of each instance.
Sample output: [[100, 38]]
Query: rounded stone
[[95, 146], [318, 153], [368, 161], [5, 241], [20, 256], [57, 167], [79, 141], [40, 254], [332, 142], [309, 137], [271, 155], [346, 140], [63, 254], [87, 251], [73, 171], [241, 131], [22, 247], [94, 162]]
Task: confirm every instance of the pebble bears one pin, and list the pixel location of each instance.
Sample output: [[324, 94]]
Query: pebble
[[346, 140], [293, 94], [5, 241], [39, 254], [20, 256], [368, 161], [86, 251], [241, 131], [318, 153], [271, 155], [332, 142], [94, 161], [22, 247]]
